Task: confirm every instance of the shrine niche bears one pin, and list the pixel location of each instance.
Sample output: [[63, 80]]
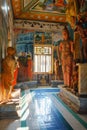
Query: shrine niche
[[43, 57]]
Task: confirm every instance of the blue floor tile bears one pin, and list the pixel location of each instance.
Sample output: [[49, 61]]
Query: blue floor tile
[[43, 115]]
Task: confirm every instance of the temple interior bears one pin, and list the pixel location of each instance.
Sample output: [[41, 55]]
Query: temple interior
[[43, 64]]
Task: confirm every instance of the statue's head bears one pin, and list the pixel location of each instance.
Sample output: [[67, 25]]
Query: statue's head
[[65, 33], [11, 51]]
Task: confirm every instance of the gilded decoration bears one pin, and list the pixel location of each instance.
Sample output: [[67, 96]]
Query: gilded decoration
[[48, 10]]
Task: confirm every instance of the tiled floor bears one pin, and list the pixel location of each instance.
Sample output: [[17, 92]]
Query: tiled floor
[[42, 109]]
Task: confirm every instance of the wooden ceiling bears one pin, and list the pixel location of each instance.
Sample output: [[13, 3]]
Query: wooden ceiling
[[40, 10]]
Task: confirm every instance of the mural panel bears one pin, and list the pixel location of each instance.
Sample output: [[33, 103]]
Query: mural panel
[[57, 37], [51, 5], [26, 2], [43, 10], [25, 44], [43, 37]]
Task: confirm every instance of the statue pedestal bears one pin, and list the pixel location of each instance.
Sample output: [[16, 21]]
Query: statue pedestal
[[9, 109], [55, 83], [82, 79], [76, 103]]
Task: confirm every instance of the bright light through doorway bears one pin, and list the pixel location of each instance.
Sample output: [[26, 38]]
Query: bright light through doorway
[[43, 59]]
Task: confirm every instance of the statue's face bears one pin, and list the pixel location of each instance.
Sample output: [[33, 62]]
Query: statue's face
[[65, 35]]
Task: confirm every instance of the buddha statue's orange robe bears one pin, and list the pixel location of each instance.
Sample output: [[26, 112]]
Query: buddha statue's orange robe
[[7, 77]]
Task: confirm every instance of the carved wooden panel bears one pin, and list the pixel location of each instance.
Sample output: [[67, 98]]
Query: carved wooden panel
[[82, 82]]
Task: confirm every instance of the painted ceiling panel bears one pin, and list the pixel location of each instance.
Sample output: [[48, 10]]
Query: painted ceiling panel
[[26, 2], [50, 6], [43, 10]]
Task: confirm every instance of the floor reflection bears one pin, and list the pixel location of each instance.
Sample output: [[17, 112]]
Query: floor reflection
[[43, 115]]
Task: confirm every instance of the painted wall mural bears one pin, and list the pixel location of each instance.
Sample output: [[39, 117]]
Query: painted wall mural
[[29, 26], [58, 6], [26, 2], [43, 38], [24, 43], [41, 10], [57, 37]]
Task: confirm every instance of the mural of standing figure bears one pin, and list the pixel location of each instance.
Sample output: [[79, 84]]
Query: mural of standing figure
[[7, 76], [66, 50]]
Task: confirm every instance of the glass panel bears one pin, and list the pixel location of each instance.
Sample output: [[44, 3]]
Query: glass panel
[[43, 63], [50, 50], [38, 50], [43, 59], [46, 50], [37, 64], [48, 64], [34, 50]]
